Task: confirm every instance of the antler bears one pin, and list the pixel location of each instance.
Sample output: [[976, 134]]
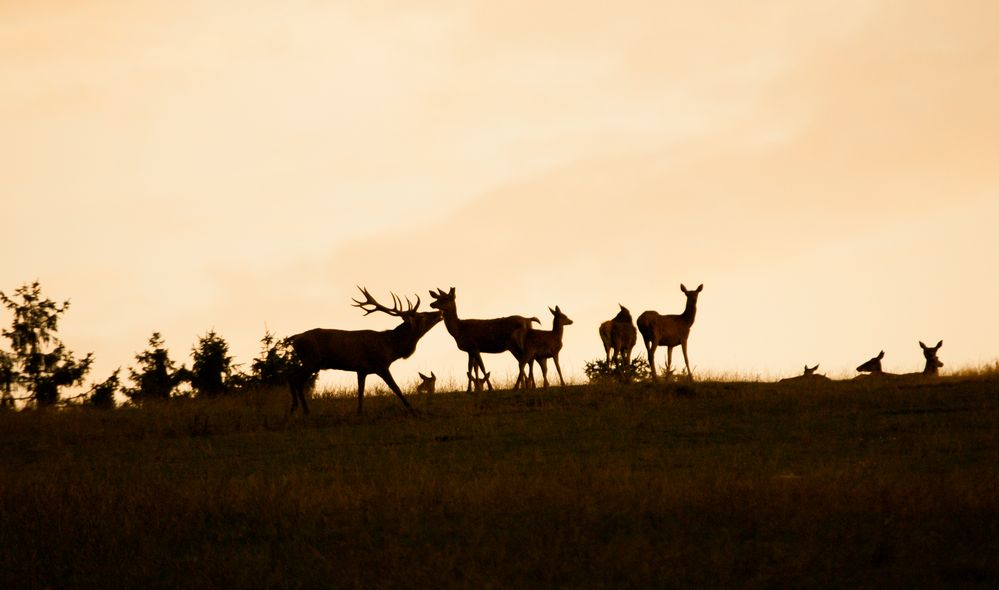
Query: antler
[[369, 305]]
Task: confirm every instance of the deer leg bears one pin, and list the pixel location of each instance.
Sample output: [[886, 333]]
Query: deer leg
[[683, 347], [651, 348], [387, 378], [360, 391], [544, 370], [561, 381], [300, 381], [530, 364], [669, 361], [471, 369], [521, 376], [485, 375]]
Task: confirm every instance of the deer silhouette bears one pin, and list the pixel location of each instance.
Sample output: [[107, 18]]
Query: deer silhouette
[[931, 369], [539, 346], [808, 375], [365, 352], [619, 336], [477, 336], [669, 331], [476, 381], [873, 366], [428, 384], [933, 363]]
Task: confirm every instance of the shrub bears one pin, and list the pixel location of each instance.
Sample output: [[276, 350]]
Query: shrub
[[600, 371]]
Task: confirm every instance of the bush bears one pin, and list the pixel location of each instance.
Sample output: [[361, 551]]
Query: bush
[[600, 371]]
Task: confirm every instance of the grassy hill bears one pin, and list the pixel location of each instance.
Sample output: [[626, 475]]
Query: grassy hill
[[841, 484]]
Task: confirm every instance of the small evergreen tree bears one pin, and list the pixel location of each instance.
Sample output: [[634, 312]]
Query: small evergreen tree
[[6, 380], [212, 366], [272, 367], [41, 363], [156, 376], [102, 394]]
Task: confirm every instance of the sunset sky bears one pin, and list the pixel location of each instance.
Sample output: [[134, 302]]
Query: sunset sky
[[829, 170]]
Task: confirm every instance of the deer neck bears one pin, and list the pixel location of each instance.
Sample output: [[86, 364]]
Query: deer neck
[[689, 311], [557, 329], [451, 321], [931, 367], [403, 341]]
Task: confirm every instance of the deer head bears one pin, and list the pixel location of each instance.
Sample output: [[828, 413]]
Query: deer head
[[691, 293], [419, 322], [873, 365], [930, 354], [560, 318], [442, 300], [478, 383], [810, 370], [429, 384]]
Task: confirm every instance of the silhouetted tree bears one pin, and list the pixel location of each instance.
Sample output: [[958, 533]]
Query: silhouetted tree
[[272, 367], [6, 380], [156, 376], [41, 363], [102, 394], [212, 366]]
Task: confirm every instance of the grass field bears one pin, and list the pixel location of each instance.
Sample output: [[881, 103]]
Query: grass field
[[846, 484]]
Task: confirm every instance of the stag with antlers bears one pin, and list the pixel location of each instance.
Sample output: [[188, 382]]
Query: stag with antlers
[[619, 336], [477, 336], [669, 331], [365, 352], [539, 346]]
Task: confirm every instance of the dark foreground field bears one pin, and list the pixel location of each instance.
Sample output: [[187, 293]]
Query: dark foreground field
[[705, 484]]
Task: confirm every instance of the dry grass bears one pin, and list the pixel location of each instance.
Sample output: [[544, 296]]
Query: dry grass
[[843, 484]]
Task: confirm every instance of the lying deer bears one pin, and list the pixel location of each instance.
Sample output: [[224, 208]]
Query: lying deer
[[669, 331], [477, 382], [808, 375], [619, 336], [931, 369], [541, 345], [477, 336], [365, 352], [428, 384]]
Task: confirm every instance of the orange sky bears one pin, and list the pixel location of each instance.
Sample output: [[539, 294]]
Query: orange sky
[[826, 169]]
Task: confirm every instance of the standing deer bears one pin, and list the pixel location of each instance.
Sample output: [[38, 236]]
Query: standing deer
[[669, 331], [428, 384], [541, 345], [365, 352], [477, 336], [619, 335]]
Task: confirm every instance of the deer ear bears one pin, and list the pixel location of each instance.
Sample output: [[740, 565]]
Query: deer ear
[[451, 292], [923, 346], [881, 355], [422, 376], [939, 344], [682, 288], [554, 311], [700, 287], [432, 376]]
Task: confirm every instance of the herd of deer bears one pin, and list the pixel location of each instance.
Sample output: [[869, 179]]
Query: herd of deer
[[371, 352]]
